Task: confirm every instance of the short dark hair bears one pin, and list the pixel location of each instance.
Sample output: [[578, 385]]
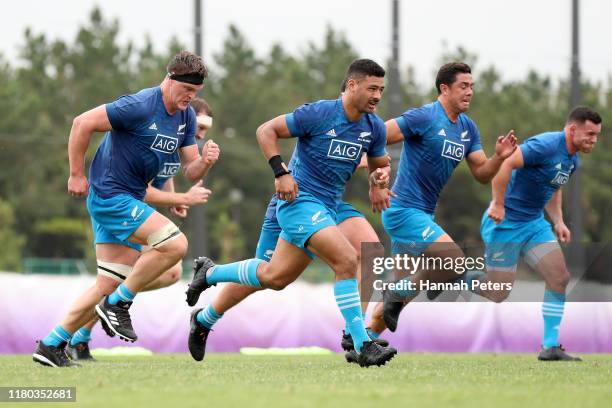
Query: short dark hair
[[186, 62], [447, 74], [581, 114], [361, 68], [201, 106]]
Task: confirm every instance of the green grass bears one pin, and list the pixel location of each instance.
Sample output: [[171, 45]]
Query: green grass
[[415, 380]]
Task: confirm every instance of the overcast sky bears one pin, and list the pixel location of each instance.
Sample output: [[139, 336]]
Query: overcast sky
[[515, 36]]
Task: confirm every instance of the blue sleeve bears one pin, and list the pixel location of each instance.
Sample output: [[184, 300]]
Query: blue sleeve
[[414, 122], [535, 151], [128, 113], [475, 136], [302, 121], [190, 129], [379, 141]]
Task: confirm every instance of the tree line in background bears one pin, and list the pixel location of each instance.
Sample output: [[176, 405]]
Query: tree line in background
[[53, 81]]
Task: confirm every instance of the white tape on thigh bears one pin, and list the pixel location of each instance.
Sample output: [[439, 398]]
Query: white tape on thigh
[[114, 271], [163, 235], [535, 254]]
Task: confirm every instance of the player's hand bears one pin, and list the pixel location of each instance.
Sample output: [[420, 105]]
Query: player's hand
[[78, 186], [496, 212], [179, 210], [286, 188], [389, 161], [210, 152], [380, 177], [562, 232], [380, 198], [197, 194], [505, 145]]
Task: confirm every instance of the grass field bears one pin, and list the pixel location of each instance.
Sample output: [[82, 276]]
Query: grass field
[[415, 380]]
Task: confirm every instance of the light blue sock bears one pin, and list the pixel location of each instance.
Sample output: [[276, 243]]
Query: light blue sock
[[208, 317], [349, 302], [552, 312], [121, 293], [243, 272], [373, 335], [83, 335], [346, 328], [57, 336]]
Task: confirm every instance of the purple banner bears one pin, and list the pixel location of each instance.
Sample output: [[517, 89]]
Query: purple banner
[[301, 315]]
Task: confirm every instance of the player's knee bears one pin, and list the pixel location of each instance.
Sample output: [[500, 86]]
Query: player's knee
[[105, 285], [277, 283], [272, 278], [560, 281], [345, 267], [174, 274]]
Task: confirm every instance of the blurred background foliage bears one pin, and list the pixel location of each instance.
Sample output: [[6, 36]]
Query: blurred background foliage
[[53, 81]]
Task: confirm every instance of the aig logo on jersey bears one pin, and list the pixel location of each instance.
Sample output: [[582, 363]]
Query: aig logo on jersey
[[452, 150], [561, 178], [165, 144], [169, 170], [339, 149]]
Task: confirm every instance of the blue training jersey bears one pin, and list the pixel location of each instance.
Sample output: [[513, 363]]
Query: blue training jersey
[[547, 166], [143, 140], [433, 146], [329, 147]]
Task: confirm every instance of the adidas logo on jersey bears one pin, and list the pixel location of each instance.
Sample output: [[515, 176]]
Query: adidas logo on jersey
[[153, 126], [331, 133], [442, 133]]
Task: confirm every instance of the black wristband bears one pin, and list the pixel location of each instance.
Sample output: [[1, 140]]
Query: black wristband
[[278, 166]]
